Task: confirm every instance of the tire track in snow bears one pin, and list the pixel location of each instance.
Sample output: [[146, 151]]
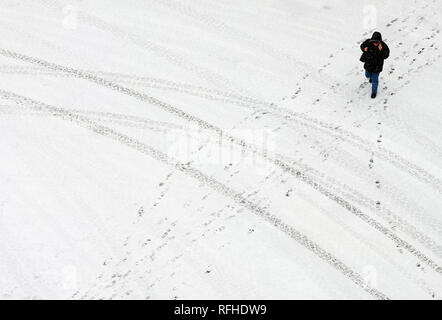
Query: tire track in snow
[[417, 213], [354, 195], [398, 222], [315, 124], [328, 182], [280, 112], [357, 141], [240, 143], [144, 43], [347, 160], [209, 181], [132, 80], [222, 26], [394, 221], [363, 240], [365, 145], [109, 117]]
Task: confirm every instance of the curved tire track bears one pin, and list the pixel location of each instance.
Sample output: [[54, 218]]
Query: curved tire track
[[314, 124], [328, 182], [240, 143], [217, 186]]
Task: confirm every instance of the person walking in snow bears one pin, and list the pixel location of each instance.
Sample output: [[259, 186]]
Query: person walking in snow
[[374, 52]]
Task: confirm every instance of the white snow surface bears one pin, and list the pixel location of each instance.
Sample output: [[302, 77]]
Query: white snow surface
[[166, 149]]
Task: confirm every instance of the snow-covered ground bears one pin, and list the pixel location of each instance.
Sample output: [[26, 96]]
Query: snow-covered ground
[[219, 149]]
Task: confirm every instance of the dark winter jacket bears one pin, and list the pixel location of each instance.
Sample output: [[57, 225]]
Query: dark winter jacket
[[374, 58]]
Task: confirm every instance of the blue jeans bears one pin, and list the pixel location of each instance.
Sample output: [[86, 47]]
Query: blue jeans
[[374, 76]]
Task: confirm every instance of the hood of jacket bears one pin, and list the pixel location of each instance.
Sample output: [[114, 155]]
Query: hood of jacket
[[376, 36]]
